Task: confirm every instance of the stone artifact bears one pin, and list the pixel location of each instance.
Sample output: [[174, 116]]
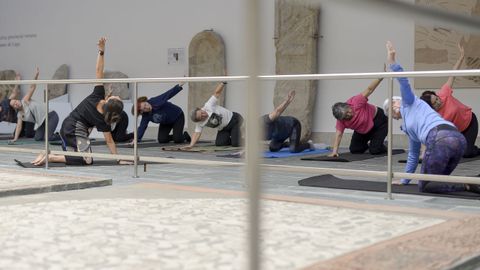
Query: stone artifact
[[6, 75], [436, 47], [118, 89], [56, 90], [206, 58], [296, 40]]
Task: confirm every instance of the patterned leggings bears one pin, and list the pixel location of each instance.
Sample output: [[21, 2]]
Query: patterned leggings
[[445, 147]]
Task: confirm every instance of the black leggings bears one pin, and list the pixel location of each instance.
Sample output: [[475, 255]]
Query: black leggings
[[52, 125], [376, 136], [119, 133], [294, 140], [177, 134], [470, 134], [231, 134]]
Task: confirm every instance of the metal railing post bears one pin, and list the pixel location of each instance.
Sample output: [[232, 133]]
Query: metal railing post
[[46, 128], [390, 140], [252, 147], [135, 131]]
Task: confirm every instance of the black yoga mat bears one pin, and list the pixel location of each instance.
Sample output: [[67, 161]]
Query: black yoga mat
[[349, 157], [330, 181], [100, 162], [463, 160]]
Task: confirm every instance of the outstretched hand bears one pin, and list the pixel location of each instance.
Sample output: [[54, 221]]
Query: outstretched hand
[[101, 43], [461, 49], [291, 96], [37, 73], [390, 52]]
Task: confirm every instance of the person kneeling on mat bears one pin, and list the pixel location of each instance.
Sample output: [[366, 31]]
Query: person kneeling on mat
[[280, 128], [168, 115], [33, 111], [368, 122], [213, 115], [451, 109], [94, 111], [444, 144]]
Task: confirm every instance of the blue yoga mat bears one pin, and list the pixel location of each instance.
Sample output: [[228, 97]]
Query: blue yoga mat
[[285, 152]]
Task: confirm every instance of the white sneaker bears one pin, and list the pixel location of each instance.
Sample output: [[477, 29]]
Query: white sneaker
[[312, 145]]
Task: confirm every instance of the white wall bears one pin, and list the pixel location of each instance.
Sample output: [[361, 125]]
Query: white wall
[[140, 32]]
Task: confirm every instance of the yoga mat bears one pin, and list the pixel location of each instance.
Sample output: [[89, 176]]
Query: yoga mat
[[330, 181], [349, 157], [102, 142], [463, 160], [100, 162], [154, 143], [199, 149], [285, 152], [21, 142]]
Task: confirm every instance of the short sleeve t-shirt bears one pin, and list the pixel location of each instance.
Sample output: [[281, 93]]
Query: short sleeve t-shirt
[[33, 112], [453, 110], [218, 116], [87, 113], [363, 114]]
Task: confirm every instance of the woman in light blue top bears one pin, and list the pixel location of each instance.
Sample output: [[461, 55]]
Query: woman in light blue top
[[445, 145]]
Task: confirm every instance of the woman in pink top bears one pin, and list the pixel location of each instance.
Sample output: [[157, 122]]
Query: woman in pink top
[[451, 109], [368, 122]]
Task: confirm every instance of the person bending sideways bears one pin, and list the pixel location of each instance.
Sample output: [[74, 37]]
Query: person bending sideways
[[444, 144], [212, 115], [280, 128], [94, 111], [369, 123], [168, 115], [29, 110], [451, 109]]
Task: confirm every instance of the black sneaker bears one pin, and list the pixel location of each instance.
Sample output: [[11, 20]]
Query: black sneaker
[[187, 137]]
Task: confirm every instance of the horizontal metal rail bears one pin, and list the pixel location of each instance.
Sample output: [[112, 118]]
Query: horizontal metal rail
[[330, 76]]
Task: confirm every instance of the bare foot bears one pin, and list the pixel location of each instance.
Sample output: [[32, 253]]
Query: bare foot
[[38, 158], [41, 161], [397, 182], [390, 52]]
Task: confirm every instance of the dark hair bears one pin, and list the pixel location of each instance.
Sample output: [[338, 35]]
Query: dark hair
[[139, 101], [339, 110], [193, 114], [8, 113], [427, 97], [112, 110]]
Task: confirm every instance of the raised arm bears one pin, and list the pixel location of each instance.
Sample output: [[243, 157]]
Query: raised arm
[[281, 108], [16, 90], [29, 95], [408, 97], [100, 58], [219, 89], [371, 87], [457, 64]]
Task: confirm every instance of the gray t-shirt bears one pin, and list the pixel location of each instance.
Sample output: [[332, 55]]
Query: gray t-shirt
[[33, 112]]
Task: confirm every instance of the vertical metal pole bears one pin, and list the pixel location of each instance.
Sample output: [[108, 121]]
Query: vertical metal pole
[[390, 141], [252, 175], [46, 128], [135, 129]]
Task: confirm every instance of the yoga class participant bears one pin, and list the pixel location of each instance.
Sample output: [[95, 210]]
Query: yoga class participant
[[213, 115], [444, 144], [94, 111], [29, 110], [279, 128], [368, 122], [451, 109], [168, 115]]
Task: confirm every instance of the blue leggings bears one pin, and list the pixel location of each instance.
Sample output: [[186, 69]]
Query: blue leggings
[[445, 147]]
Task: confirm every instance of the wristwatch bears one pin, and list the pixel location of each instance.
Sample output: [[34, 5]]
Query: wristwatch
[[101, 52]]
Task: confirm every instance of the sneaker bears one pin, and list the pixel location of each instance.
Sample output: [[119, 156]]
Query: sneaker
[[187, 137]]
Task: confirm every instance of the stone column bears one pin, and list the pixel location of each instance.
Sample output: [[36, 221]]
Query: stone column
[[296, 42], [206, 57]]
